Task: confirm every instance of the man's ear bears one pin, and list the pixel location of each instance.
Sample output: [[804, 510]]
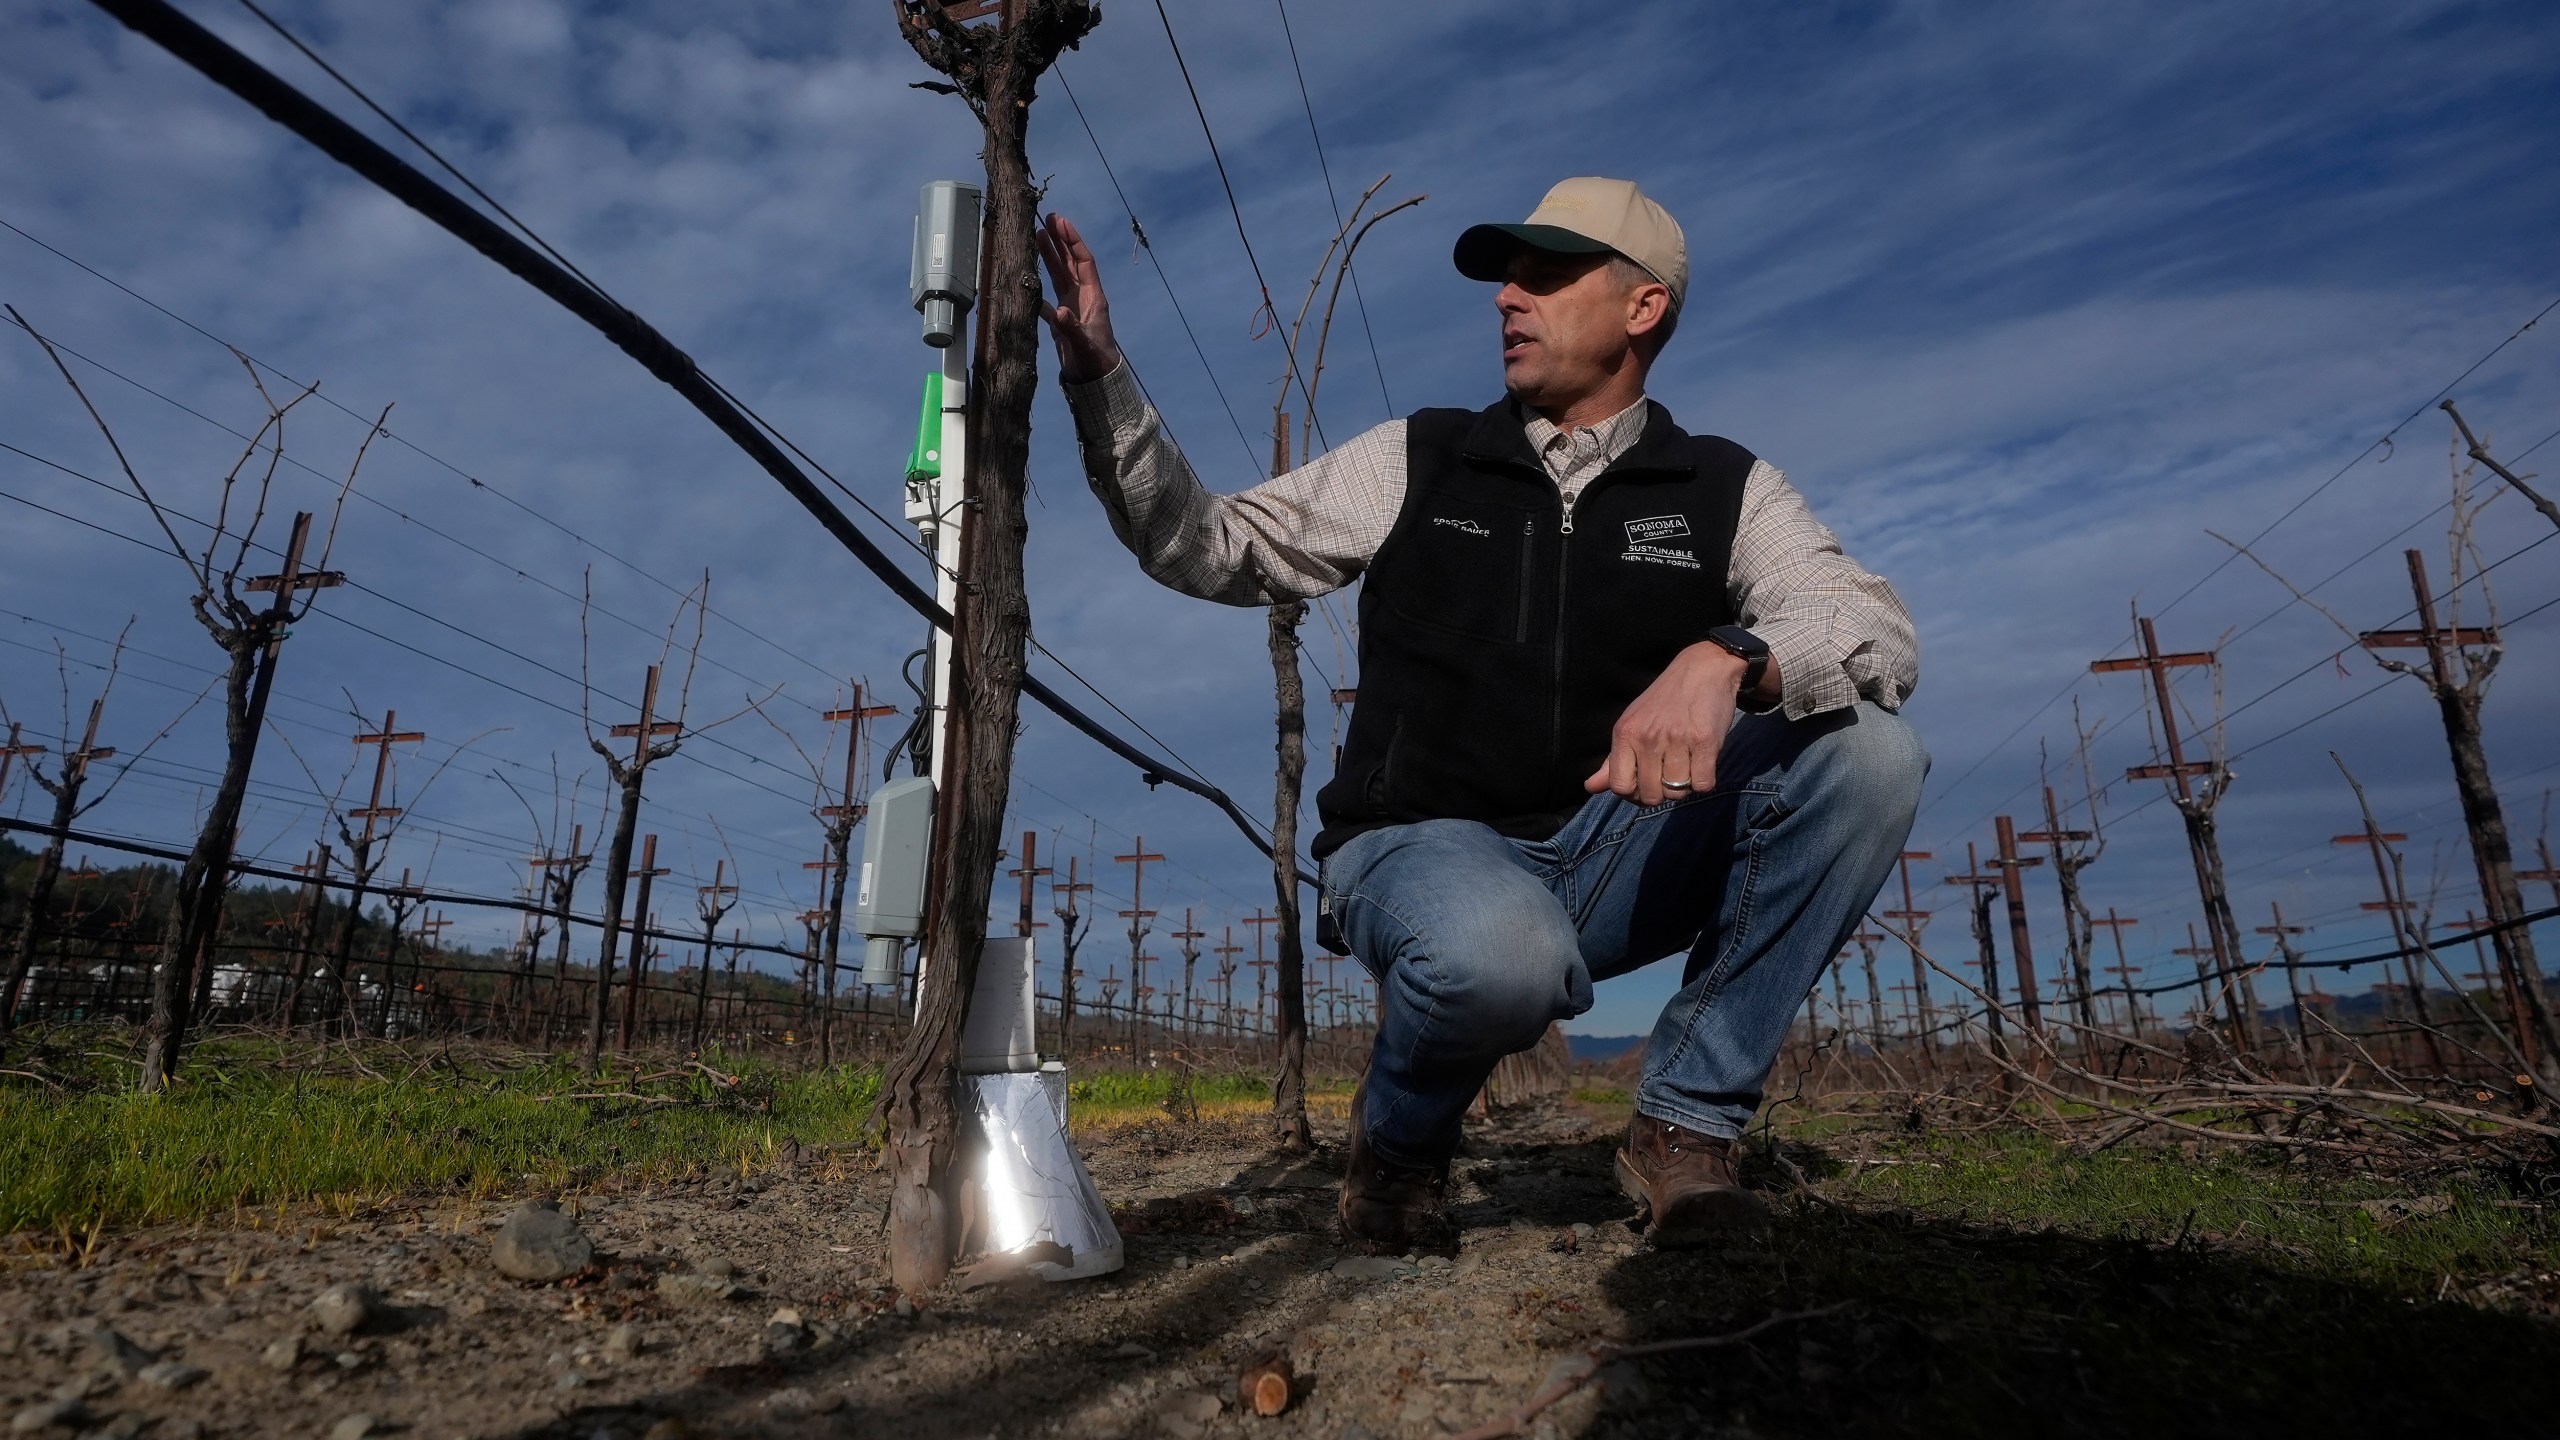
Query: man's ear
[[1647, 305]]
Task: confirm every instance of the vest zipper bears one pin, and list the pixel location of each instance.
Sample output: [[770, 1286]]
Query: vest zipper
[[1564, 572], [1555, 681], [1528, 560]]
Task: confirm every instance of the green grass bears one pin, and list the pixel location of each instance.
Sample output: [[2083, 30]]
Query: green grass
[[1123, 1097], [2304, 1219], [256, 1125], [246, 1130]]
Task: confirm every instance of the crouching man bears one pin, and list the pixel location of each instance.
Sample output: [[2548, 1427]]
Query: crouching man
[[1621, 698]]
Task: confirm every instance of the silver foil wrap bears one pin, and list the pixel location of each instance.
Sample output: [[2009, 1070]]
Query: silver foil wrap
[[1031, 1182]]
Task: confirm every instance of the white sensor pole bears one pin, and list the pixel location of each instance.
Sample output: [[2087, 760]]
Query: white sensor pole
[[943, 284]]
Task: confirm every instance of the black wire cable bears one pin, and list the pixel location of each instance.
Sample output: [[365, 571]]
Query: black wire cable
[[2295, 508], [424, 896], [205, 52], [2289, 602], [1233, 208], [398, 604], [1148, 248], [1358, 300], [404, 442]]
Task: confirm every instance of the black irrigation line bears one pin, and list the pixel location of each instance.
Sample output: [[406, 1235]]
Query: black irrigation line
[[201, 49], [377, 887], [2529, 918]]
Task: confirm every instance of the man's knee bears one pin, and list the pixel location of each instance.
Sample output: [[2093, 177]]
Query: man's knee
[[1870, 758], [1458, 928]]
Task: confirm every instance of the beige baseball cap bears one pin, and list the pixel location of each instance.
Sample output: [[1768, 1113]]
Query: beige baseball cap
[[1586, 215]]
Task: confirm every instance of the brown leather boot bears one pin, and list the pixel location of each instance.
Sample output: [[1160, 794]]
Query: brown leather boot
[[1687, 1184], [1386, 1205]]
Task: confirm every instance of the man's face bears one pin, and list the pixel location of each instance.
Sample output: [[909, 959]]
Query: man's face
[[1564, 326]]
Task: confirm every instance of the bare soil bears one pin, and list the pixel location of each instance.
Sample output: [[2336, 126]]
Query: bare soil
[[1233, 1253]]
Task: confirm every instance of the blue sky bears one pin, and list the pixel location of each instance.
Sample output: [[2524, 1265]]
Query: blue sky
[[2025, 298]]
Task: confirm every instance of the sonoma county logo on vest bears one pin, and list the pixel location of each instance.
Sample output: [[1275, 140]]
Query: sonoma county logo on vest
[[1644, 539]]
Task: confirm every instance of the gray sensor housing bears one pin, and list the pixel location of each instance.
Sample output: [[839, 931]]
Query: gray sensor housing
[[888, 897], [942, 272]]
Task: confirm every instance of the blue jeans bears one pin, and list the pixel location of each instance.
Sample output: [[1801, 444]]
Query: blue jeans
[[1478, 942]]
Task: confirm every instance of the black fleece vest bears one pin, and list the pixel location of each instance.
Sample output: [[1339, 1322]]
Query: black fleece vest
[[1502, 634]]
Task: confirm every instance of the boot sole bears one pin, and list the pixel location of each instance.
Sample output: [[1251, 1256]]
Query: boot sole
[[1703, 1218]]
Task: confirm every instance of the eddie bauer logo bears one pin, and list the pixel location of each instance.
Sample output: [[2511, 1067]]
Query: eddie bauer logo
[[1468, 527], [1643, 537]]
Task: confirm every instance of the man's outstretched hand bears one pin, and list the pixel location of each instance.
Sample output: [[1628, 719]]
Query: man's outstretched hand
[[1080, 321]]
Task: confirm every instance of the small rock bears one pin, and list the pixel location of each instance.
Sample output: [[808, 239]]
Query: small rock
[[693, 1292], [796, 1401], [114, 1352], [353, 1427], [571, 1379], [1181, 1262], [346, 1308], [905, 1309], [718, 1268], [169, 1375], [349, 1360], [1581, 1230], [1198, 1406], [782, 1340], [540, 1244], [1436, 1262], [68, 1414], [1366, 1267], [282, 1355], [622, 1342], [85, 1386]]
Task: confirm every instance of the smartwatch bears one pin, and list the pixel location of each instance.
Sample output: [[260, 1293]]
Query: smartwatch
[[1754, 653]]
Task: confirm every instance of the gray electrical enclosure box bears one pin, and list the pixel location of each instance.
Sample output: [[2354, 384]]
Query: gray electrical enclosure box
[[888, 895], [942, 274]]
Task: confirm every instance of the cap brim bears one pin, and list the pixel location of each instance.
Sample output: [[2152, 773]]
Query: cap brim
[[1484, 252]]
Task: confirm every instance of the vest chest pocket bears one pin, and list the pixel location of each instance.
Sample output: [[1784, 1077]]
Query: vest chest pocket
[[1465, 568]]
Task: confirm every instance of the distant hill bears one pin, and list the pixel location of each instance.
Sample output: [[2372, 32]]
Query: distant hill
[[1602, 1049]]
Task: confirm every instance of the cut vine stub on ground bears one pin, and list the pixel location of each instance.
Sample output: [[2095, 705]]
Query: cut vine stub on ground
[[1989, 1283]]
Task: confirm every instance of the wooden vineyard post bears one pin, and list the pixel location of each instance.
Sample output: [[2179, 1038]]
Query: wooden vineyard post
[[628, 774], [1073, 925], [648, 872], [2196, 803]]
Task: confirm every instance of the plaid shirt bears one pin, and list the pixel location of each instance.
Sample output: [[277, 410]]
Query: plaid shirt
[[1838, 634]]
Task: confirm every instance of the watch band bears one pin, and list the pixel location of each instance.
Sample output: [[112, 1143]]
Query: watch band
[[1751, 650]]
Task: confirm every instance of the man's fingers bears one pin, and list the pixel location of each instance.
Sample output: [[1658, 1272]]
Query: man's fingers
[[1695, 765], [1623, 763]]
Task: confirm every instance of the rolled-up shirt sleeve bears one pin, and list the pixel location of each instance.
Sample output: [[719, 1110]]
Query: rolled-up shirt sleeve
[[1306, 533], [1838, 633]]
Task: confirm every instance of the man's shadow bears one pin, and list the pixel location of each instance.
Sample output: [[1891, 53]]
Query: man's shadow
[[1963, 1327]]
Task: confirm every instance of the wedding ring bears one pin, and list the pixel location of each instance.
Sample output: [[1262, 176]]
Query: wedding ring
[[1677, 785]]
